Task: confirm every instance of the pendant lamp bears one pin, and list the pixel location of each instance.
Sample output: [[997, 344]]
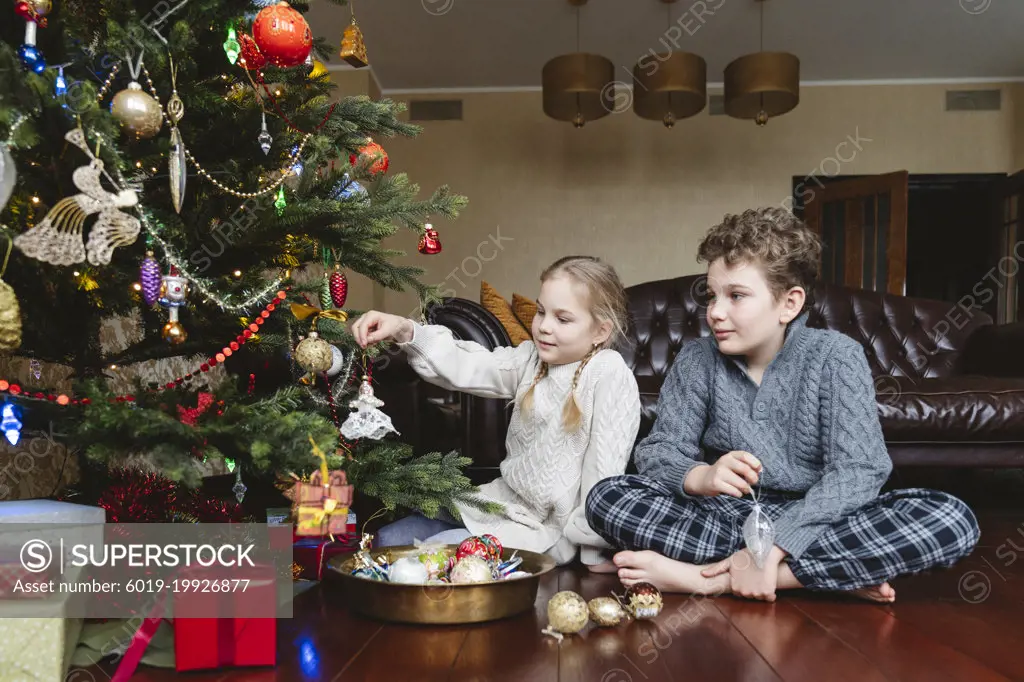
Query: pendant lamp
[[579, 86], [762, 85]]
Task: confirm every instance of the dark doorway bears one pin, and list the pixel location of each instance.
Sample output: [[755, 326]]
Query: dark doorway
[[953, 244]]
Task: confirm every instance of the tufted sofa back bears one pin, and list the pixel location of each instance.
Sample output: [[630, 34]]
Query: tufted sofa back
[[903, 337]]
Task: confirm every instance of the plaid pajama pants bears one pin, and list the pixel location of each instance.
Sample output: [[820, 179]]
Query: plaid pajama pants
[[899, 533]]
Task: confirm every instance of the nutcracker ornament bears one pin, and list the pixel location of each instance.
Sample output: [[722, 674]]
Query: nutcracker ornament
[[173, 294], [34, 13]]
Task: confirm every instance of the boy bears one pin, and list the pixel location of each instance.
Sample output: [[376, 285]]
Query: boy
[[790, 412]]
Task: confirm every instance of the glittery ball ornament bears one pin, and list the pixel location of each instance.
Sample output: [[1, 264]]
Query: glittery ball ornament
[[606, 612], [314, 354], [473, 546], [471, 569], [567, 614], [373, 154], [643, 600]]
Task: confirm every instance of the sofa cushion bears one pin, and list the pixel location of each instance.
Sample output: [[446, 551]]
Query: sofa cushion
[[498, 306], [962, 409]]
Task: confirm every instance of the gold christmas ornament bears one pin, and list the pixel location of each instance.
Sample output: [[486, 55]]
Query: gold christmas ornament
[[174, 333], [567, 614], [606, 611], [139, 114], [353, 49], [643, 600], [314, 354], [41, 7], [10, 312]]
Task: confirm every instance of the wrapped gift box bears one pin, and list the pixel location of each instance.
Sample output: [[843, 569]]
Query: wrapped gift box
[[231, 640], [322, 506], [38, 649], [205, 643], [12, 570], [312, 553]]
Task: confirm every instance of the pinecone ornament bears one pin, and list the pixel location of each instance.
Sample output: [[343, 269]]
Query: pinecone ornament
[[325, 293], [339, 287]]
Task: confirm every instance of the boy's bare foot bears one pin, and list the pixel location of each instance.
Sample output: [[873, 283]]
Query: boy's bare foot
[[883, 594], [668, 575], [603, 567]]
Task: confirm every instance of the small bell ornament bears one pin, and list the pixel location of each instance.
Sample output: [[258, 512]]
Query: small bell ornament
[[759, 534], [430, 242], [173, 292], [367, 421]]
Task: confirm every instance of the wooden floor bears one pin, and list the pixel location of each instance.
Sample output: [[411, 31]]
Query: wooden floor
[[966, 623]]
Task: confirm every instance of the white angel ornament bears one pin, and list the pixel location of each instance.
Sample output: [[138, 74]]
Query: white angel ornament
[[58, 238]]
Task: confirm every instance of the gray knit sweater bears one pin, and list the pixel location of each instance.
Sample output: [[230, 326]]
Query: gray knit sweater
[[813, 423]]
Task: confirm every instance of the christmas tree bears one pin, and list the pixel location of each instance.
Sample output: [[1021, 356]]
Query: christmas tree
[[183, 165]]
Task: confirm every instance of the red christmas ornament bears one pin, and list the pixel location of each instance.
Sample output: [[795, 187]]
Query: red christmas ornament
[[430, 242], [283, 35], [372, 150], [252, 58], [27, 12], [339, 287], [473, 546]]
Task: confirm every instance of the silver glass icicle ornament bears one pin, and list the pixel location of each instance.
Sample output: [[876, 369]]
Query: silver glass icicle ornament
[[265, 139]]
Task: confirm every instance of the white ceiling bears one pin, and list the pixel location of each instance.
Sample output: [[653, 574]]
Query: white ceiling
[[493, 44]]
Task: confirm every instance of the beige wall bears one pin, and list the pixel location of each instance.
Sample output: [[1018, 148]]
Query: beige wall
[[639, 195]]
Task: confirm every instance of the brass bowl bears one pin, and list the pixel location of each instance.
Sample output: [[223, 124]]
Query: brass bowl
[[439, 604]]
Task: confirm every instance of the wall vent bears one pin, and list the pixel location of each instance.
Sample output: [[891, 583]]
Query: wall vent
[[974, 100], [435, 110]]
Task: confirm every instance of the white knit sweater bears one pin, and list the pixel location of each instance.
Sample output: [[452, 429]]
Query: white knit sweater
[[547, 473]]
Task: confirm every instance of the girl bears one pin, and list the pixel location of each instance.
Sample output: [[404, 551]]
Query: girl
[[575, 417]]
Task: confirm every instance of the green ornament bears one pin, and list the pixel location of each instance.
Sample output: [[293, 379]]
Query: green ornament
[[326, 302], [230, 464], [280, 202], [231, 47]]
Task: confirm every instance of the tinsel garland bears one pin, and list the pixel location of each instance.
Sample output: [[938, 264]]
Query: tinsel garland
[[137, 496]]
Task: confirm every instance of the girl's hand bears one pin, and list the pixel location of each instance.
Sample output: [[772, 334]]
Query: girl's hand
[[745, 578], [374, 327], [733, 474]]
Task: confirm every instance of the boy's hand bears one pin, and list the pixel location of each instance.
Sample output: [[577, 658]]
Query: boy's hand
[[745, 578], [732, 474], [374, 327]]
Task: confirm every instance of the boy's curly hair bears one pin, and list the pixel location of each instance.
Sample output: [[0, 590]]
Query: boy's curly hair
[[787, 250]]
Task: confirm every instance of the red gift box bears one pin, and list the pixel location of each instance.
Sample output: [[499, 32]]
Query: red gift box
[[312, 553], [237, 637], [204, 643]]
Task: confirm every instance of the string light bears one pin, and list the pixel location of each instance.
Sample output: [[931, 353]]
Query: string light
[[14, 128], [284, 172]]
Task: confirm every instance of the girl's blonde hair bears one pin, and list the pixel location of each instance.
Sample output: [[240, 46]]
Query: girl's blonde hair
[[607, 299]]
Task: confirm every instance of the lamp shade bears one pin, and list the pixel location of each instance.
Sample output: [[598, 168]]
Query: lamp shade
[[672, 88], [578, 87], [762, 84]]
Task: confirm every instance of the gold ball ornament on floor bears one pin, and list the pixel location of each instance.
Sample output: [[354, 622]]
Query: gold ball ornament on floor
[[314, 354], [567, 614], [138, 113], [606, 611]]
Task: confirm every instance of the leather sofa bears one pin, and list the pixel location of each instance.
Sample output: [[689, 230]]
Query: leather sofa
[[949, 383]]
